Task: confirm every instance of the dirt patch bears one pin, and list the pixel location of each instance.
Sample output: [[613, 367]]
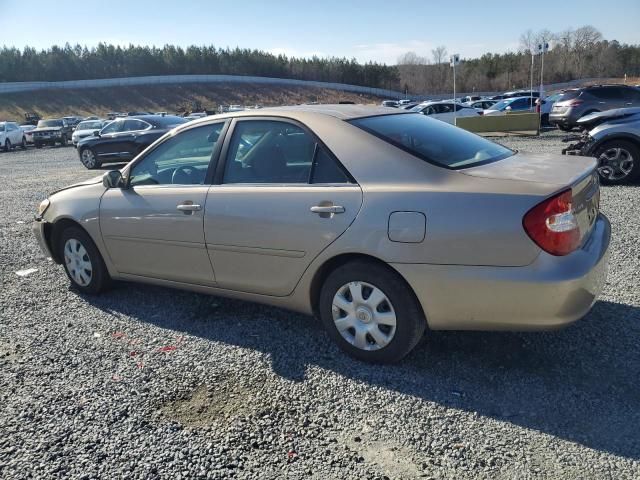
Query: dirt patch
[[387, 455], [210, 404]]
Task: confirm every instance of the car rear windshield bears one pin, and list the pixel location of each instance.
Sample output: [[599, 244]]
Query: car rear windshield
[[169, 121], [50, 123], [90, 125], [434, 141]]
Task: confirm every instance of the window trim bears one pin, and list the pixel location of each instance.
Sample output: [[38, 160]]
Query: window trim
[[224, 154], [213, 159]]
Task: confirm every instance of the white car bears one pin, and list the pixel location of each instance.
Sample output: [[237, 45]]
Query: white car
[[27, 132], [444, 110], [11, 135], [86, 128], [482, 105]]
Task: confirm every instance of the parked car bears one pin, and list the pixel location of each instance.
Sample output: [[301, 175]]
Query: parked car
[[521, 93], [470, 98], [597, 98], [11, 135], [28, 132], [444, 110], [481, 105], [379, 221], [72, 121], [86, 128], [390, 103], [613, 138], [408, 106], [124, 138], [51, 131], [517, 104]]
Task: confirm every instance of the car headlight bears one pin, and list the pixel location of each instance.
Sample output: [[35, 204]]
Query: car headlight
[[43, 207]]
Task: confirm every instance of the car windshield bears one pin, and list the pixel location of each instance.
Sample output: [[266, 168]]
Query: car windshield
[[502, 104], [50, 123], [433, 141], [93, 125]]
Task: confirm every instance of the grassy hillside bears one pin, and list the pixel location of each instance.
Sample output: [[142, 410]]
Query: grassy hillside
[[167, 98]]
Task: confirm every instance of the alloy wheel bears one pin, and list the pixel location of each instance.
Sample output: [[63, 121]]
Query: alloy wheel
[[615, 163], [77, 262], [88, 158], [364, 316]]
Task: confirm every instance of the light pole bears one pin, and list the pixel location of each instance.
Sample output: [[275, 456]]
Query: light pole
[[531, 75], [453, 61], [542, 49]]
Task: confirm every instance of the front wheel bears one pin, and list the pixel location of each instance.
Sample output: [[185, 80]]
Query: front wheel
[[618, 162], [89, 159], [370, 312], [82, 261], [63, 141], [7, 145]]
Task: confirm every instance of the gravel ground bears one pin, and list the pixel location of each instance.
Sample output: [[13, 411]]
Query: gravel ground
[[145, 382]]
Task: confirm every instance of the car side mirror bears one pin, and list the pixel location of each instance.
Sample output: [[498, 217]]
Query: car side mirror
[[113, 179], [96, 133], [508, 109]]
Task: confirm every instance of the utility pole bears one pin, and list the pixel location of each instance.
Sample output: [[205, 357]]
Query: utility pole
[[453, 61], [531, 74]]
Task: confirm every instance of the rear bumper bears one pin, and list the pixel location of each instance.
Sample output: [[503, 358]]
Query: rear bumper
[[565, 119], [550, 293]]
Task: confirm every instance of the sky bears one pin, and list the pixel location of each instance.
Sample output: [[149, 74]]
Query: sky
[[377, 30]]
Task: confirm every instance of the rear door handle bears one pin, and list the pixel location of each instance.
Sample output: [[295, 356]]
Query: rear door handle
[[189, 207], [327, 209]]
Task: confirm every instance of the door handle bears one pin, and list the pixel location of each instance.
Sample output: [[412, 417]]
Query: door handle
[[327, 209], [188, 207]]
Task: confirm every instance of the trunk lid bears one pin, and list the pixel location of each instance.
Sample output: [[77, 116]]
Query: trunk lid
[[557, 171]]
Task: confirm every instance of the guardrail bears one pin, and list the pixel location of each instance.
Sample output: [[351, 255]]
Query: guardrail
[[519, 123]]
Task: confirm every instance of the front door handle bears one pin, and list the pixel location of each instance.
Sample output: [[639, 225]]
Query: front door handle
[[187, 207], [327, 209]]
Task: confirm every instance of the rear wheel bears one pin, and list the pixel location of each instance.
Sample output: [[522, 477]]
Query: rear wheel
[[63, 141], [89, 158], [564, 129], [7, 145], [24, 143], [370, 312], [618, 162], [82, 261]]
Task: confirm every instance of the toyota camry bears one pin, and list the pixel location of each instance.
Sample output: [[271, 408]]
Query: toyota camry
[[381, 222]]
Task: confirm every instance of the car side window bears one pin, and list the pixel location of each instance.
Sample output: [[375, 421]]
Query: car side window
[[134, 125], [180, 160], [326, 169], [114, 127], [267, 151]]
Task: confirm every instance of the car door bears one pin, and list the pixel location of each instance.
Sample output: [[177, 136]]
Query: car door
[[154, 228], [127, 146], [279, 200], [444, 112], [107, 147]]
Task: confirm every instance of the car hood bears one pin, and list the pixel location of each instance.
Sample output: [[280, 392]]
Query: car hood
[[91, 181], [547, 168], [616, 113], [46, 129]]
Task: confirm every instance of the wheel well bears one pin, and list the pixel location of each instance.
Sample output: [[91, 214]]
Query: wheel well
[[633, 140], [52, 233], [339, 260]]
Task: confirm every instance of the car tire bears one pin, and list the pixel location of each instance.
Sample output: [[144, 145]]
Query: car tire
[[618, 162], [82, 261], [63, 141], [564, 128], [23, 145], [7, 145], [37, 145], [385, 321], [89, 158], [544, 119]]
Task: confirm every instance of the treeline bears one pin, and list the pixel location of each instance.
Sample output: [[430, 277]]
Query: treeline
[[573, 54], [109, 61]]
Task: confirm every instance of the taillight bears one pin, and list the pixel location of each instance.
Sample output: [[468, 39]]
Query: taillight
[[553, 225], [574, 103]]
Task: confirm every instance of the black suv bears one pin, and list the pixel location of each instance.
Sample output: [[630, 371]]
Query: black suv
[[577, 103], [52, 131]]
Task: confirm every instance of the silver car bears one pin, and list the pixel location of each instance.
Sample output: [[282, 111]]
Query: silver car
[[381, 222]]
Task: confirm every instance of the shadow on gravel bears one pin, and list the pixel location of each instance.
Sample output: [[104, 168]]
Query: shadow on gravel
[[580, 384]]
